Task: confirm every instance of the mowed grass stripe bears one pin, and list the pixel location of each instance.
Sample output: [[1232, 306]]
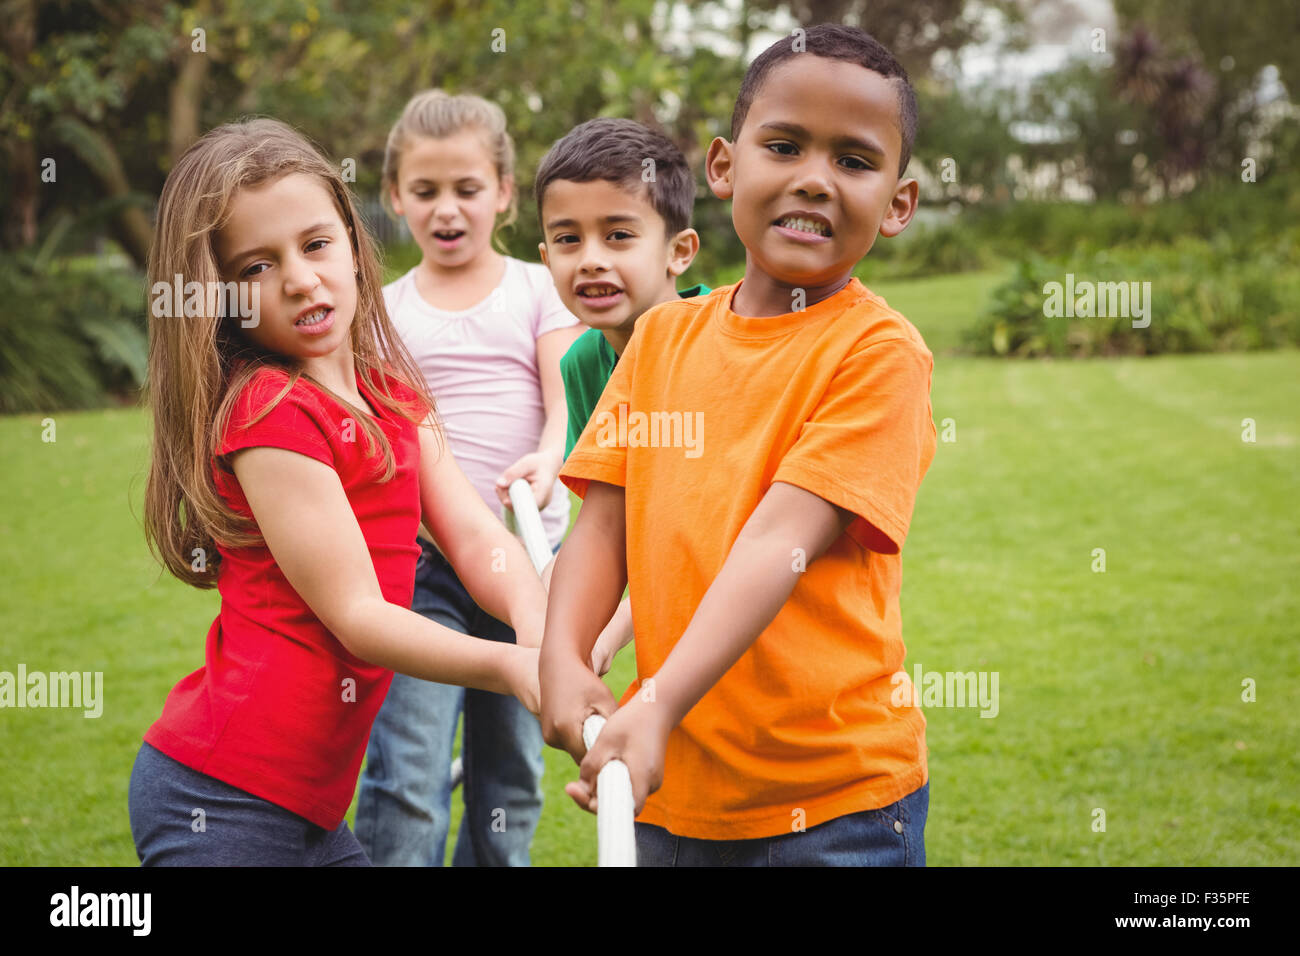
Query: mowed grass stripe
[[1118, 690], [1112, 685]]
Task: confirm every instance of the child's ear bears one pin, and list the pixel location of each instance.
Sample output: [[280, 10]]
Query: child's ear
[[395, 200], [718, 168], [901, 208], [507, 190], [541, 251], [682, 249]]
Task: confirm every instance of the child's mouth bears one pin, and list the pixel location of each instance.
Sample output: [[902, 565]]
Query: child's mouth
[[600, 296], [448, 238], [802, 229], [316, 323]]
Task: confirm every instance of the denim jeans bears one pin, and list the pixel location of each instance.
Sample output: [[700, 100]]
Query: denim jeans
[[890, 836], [234, 829], [404, 806]]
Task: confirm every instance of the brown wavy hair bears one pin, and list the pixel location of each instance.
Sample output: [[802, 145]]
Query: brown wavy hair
[[199, 364]]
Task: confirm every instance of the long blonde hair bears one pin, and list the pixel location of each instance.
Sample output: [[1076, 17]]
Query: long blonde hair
[[437, 114], [199, 364]]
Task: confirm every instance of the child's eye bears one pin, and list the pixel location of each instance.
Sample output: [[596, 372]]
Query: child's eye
[[619, 234], [857, 161], [323, 242], [469, 192], [249, 273], [779, 147], [566, 239]]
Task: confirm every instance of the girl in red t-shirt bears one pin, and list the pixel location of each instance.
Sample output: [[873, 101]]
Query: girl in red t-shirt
[[295, 452]]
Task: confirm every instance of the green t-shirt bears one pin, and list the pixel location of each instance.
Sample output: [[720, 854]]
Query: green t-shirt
[[586, 369]]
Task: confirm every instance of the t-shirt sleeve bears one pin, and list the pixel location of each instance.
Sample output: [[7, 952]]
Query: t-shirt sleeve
[[595, 457], [869, 442], [295, 423], [550, 313]]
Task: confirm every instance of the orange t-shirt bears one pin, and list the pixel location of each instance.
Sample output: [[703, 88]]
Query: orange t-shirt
[[705, 409]]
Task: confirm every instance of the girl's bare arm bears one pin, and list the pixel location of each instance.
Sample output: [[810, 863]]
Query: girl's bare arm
[[304, 516], [488, 559]]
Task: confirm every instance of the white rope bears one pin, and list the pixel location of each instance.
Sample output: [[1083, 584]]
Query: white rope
[[529, 523], [615, 832], [528, 520]]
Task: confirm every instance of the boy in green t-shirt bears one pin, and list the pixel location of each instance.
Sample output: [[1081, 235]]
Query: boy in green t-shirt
[[614, 199]]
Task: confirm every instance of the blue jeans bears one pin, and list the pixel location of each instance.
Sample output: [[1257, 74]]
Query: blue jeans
[[234, 828], [404, 807], [890, 836]]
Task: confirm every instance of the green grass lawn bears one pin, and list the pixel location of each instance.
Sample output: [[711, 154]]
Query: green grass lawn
[[1119, 691], [940, 307]]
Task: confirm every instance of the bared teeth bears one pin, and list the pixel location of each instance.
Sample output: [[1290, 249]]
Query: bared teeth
[[598, 291], [805, 225], [312, 318]]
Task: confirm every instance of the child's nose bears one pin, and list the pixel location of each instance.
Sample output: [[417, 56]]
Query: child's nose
[[299, 276], [592, 258], [812, 178]]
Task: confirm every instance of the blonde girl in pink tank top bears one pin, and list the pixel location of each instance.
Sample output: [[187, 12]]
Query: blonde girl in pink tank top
[[487, 332]]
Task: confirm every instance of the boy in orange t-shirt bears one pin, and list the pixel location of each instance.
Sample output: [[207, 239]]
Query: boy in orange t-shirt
[[750, 472]]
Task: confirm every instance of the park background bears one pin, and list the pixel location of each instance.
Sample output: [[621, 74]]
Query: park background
[[1109, 523]]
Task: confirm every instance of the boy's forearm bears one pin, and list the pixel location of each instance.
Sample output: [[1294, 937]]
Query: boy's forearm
[[754, 583], [746, 595], [620, 626], [589, 577]]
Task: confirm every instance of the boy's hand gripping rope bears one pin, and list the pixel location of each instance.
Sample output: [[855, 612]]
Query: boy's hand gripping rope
[[614, 819], [615, 832]]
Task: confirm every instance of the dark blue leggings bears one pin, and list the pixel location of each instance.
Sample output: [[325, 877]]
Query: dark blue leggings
[[234, 828]]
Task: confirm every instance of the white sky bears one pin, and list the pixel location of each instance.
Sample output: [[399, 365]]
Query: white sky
[[1057, 29]]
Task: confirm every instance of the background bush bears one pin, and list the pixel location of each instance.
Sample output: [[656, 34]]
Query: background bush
[[1248, 213], [72, 330], [1205, 296], [928, 250]]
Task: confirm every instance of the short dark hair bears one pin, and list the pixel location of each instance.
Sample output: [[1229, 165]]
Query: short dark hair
[[616, 150], [835, 42]]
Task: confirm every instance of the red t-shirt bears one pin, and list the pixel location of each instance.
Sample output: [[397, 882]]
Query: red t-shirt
[[280, 708]]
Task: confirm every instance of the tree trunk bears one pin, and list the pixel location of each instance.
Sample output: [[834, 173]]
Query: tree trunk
[[19, 39], [186, 92], [131, 226]]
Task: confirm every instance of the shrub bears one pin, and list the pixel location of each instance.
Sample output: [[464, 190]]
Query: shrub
[[1204, 296], [1248, 213], [927, 251], [72, 332]]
